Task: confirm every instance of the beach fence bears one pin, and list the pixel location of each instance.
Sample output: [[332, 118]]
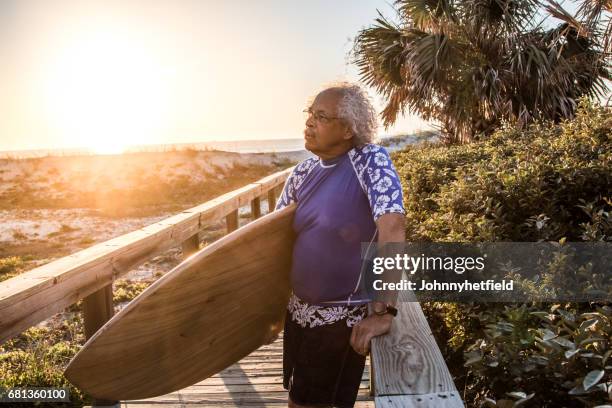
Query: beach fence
[[406, 369]]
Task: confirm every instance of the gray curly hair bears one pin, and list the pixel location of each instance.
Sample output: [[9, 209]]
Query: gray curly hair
[[357, 110]]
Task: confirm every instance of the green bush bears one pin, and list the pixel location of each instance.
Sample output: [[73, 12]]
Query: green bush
[[543, 183], [11, 266], [550, 354], [38, 357], [546, 183], [126, 290]]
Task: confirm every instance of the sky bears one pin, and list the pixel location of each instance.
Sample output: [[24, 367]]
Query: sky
[[106, 74]]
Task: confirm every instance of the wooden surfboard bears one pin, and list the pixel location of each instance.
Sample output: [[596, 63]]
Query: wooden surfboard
[[213, 309]]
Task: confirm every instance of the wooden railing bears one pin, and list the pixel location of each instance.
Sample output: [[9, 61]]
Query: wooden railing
[[36, 295], [407, 366]]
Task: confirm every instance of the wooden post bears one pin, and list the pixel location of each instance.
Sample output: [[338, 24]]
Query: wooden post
[[256, 208], [271, 199], [279, 190], [231, 220], [97, 310], [191, 246]]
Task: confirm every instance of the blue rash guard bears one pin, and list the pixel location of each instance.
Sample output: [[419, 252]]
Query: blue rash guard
[[339, 201]]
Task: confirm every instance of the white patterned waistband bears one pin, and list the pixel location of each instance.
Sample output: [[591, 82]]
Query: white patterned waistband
[[307, 315]]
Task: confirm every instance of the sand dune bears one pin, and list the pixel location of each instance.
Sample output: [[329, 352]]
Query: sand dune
[[53, 206]]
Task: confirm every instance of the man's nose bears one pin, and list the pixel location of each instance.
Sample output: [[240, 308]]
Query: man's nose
[[310, 121]]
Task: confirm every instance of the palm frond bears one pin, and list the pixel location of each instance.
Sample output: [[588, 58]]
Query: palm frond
[[556, 10], [425, 14], [473, 64], [496, 17]]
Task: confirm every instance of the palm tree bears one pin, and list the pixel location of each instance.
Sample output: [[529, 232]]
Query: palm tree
[[472, 64], [592, 19]]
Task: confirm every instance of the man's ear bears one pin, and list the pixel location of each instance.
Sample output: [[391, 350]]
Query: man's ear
[[348, 133]]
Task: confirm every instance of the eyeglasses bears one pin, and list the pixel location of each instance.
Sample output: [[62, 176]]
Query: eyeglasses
[[318, 117]]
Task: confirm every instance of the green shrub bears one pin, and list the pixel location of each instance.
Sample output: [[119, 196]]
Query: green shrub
[[38, 357], [546, 183], [126, 290], [550, 354], [11, 266]]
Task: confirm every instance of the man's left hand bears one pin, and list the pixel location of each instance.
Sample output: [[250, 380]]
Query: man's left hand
[[369, 327]]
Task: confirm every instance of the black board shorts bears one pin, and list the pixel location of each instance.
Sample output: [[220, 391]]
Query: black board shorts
[[320, 368]]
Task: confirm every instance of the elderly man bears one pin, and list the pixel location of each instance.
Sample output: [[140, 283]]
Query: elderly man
[[348, 194]]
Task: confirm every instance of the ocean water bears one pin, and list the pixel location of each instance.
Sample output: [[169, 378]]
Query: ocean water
[[238, 146]]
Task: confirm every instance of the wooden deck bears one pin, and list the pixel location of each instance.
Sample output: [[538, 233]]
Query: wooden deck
[[254, 381]]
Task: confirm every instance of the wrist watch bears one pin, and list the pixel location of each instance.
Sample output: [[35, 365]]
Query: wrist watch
[[388, 309]]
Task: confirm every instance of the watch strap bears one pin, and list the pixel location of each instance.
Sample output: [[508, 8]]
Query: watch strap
[[389, 309]]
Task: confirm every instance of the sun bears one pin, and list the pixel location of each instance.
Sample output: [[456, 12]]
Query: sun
[[111, 146], [106, 90]]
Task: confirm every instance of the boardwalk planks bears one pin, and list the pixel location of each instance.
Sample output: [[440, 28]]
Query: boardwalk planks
[[241, 385]]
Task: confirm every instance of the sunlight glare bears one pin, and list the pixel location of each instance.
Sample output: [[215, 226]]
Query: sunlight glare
[[106, 91]]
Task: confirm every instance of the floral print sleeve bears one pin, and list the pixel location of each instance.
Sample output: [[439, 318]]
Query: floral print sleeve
[[379, 179], [294, 181]]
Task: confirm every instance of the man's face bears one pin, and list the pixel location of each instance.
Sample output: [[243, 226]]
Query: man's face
[[325, 132]]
